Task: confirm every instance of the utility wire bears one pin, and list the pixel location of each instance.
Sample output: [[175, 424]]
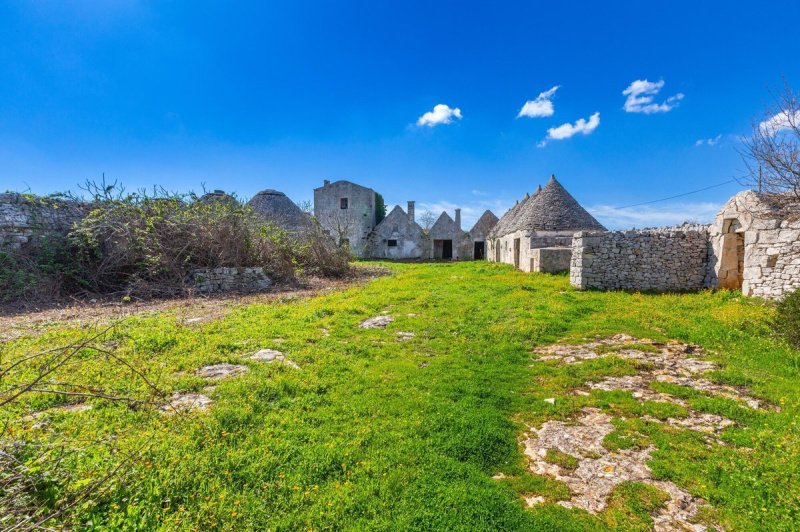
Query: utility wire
[[678, 195]]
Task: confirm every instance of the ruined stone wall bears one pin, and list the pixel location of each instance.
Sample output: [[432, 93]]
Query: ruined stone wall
[[212, 280], [661, 259], [24, 219], [770, 265]]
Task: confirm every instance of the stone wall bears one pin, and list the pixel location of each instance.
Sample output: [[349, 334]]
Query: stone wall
[[211, 280], [665, 259], [754, 248], [24, 218], [551, 260], [502, 249]]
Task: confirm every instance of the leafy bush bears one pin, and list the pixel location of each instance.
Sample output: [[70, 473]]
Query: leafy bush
[[787, 319]]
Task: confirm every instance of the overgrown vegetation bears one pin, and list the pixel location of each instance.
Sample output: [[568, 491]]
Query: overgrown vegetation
[[787, 319], [147, 245], [375, 433]]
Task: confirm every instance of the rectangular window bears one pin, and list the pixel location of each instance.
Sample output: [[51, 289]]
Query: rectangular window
[[391, 243], [343, 203]]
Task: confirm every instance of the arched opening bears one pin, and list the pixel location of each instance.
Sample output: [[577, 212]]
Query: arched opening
[[731, 269]]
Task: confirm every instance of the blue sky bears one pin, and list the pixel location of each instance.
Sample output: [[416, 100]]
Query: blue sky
[[244, 96]]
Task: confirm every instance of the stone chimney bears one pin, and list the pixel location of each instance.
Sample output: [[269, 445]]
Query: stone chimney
[[326, 182], [458, 219], [411, 211]]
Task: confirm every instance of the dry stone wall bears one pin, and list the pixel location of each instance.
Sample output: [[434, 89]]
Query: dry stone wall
[[24, 218], [211, 280], [661, 259]]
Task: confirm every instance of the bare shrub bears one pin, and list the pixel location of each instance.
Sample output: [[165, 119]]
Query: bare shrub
[[149, 245], [772, 152], [318, 254]]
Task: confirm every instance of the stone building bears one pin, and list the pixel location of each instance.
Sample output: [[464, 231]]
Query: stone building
[[754, 247], [398, 236], [348, 212], [276, 208], [479, 234], [545, 220], [447, 240]]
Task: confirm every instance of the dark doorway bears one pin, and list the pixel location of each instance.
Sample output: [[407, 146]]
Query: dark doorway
[[480, 251], [447, 249], [516, 252], [442, 249]]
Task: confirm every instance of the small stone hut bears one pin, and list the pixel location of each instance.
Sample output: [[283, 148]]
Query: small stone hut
[[276, 208], [479, 234], [546, 220], [398, 236], [448, 240]]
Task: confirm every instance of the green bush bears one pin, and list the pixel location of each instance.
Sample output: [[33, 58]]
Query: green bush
[[787, 319]]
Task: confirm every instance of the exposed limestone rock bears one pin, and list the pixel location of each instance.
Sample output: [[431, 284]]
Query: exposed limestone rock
[[403, 336], [271, 355], [221, 371], [378, 322], [186, 402], [667, 362], [599, 470]]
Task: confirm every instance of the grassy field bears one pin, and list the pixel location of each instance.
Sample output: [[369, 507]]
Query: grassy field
[[375, 433]]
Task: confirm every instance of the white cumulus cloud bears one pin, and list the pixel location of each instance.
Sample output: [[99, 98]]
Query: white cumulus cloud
[[441, 114], [780, 121], [713, 141], [540, 107], [567, 130], [641, 95]]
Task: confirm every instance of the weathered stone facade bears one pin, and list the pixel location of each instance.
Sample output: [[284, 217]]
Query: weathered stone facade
[[448, 240], [24, 219], [348, 212], [398, 236], [479, 235], [754, 248], [551, 260], [211, 280], [666, 259]]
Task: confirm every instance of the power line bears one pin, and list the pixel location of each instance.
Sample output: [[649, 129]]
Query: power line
[[678, 195]]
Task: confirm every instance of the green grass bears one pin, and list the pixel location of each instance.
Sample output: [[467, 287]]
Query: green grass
[[377, 434]]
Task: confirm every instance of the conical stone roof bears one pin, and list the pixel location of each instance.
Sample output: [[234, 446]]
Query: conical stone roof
[[554, 209], [275, 207], [508, 221]]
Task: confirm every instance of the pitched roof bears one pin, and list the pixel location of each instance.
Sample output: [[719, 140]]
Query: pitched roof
[[278, 209], [485, 223], [444, 225], [554, 209], [398, 216]]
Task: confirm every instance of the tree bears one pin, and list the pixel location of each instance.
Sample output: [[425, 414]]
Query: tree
[[426, 220], [772, 153], [380, 208]]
